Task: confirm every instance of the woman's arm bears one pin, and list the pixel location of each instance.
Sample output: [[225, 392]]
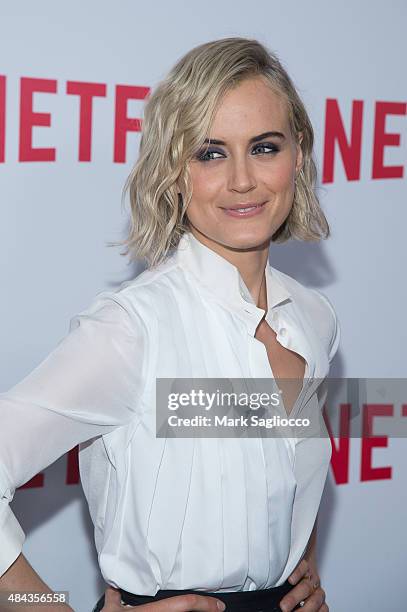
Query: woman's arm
[[306, 578], [21, 577], [87, 386], [311, 549]]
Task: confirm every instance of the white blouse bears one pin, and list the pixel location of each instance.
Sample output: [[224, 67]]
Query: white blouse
[[217, 514]]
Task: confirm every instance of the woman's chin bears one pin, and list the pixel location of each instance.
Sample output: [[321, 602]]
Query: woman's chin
[[247, 241], [235, 238]]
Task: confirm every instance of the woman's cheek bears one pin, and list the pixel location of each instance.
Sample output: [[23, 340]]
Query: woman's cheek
[[279, 178]]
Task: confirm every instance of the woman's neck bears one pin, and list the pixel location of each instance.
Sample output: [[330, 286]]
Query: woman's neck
[[251, 264]]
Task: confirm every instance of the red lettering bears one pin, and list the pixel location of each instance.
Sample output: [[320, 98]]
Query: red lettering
[[72, 467], [36, 481], [369, 442], [86, 93], [340, 452], [30, 119], [383, 139], [335, 132], [404, 410], [2, 119], [123, 123]]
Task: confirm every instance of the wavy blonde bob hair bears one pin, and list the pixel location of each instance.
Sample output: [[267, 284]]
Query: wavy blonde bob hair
[[177, 118]]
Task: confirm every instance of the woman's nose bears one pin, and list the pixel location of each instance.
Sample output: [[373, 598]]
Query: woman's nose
[[241, 177]]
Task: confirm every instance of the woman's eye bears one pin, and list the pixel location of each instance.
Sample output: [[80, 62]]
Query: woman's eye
[[273, 148], [203, 156], [208, 155]]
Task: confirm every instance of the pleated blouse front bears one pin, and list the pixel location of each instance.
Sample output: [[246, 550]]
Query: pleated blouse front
[[207, 513]]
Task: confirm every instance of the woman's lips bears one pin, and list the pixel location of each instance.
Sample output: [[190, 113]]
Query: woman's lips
[[251, 211]]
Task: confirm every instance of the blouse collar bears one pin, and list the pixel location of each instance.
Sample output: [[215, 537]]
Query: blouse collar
[[223, 280]]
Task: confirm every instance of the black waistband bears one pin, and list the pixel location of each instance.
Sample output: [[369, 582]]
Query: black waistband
[[262, 600]]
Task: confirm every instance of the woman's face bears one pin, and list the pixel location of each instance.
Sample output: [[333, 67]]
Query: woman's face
[[245, 167]]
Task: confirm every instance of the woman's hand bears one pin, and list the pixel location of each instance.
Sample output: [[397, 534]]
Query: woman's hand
[[179, 603], [308, 590]]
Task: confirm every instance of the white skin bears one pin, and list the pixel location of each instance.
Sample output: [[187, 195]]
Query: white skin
[[244, 172], [241, 172]]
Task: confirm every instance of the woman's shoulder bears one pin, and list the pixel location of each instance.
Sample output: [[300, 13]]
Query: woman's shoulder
[[151, 285], [318, 307], [300, 291], [138, 297]]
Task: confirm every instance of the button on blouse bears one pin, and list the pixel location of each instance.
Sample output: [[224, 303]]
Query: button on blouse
[[218, 514]]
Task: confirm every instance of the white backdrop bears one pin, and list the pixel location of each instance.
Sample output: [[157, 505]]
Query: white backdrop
[[56, 217]]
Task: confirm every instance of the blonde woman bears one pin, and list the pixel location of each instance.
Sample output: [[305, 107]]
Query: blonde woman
[[196, 523]]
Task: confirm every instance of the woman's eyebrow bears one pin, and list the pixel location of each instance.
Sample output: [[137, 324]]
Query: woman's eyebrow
[[254, 139]]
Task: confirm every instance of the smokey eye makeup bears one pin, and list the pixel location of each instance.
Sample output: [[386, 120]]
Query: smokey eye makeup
[[206, 154]]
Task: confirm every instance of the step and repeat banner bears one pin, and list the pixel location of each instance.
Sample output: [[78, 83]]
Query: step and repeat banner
[[73, 77]]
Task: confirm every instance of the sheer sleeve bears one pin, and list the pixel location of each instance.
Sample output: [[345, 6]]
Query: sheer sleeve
[[328, 324], [335, 330], [91, 383]]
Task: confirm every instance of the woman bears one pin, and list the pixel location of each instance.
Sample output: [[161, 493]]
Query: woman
[[225, 168]]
